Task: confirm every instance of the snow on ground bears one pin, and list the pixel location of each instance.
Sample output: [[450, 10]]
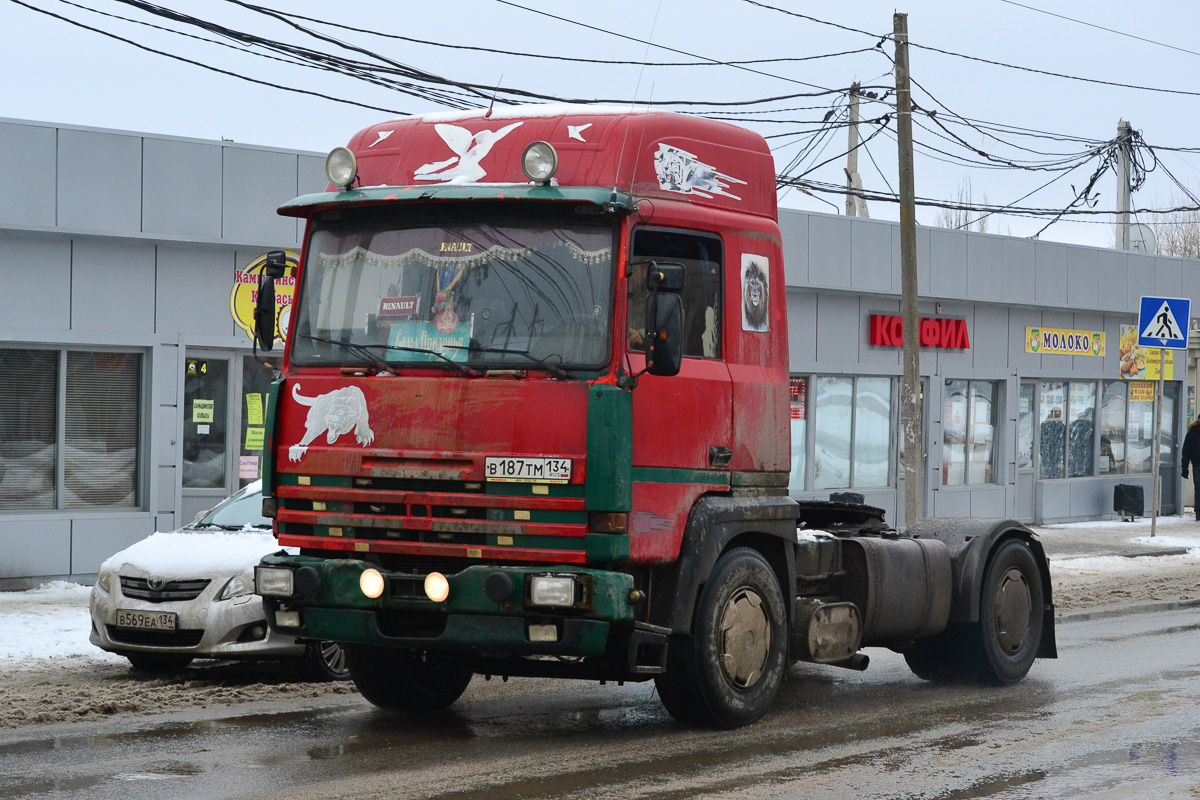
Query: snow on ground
[[51, 621]]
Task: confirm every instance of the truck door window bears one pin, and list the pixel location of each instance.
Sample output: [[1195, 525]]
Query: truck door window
[[701, 257]]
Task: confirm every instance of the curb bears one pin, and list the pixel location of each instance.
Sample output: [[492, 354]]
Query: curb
[[1166, 551], [1120, 611]]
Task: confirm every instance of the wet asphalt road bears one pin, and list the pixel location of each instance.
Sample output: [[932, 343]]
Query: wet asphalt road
[[1114, 717]]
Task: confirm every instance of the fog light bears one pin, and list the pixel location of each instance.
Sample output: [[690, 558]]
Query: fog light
[[287, 619], [552, 590], [341, 167], [273, 581], [437, 588], [371, 583], [539, 162], [543, 633]]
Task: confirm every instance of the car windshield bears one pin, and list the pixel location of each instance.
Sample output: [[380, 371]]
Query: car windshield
[[235, 513], [457, 294]]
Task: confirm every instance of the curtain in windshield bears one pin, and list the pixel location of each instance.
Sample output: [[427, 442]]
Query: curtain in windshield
[[483, 294]]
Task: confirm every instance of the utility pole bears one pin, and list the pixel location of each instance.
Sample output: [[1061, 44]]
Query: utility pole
[[856, 206], [1124, 142], [914, 484]]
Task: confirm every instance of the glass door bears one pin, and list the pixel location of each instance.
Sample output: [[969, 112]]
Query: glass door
[[1026, 415]]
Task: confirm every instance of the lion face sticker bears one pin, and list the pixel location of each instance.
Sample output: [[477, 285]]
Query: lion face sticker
[[756, 293], [333, 414]]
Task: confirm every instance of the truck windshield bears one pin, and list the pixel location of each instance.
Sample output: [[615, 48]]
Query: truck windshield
[[482, 295]]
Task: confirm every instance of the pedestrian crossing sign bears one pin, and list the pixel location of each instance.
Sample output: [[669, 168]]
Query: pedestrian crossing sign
[[1163, 322]]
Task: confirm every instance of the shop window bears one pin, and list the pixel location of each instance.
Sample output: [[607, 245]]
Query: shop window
[[256, 385], [97, 451], [1025, 427], [1052, 430], [968, 433], [1140, 428], [852, 433], [701, 257], [1112, 428], [1081, 429], [799, 423]]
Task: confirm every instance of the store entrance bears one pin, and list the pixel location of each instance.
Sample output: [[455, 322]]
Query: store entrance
[[1025, 444], [224, 426]]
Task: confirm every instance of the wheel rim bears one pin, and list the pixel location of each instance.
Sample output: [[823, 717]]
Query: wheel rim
[[1014, 611], [745, 640], [334, 657]]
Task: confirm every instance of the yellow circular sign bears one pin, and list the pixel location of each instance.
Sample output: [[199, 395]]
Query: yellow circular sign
[[245, 295]]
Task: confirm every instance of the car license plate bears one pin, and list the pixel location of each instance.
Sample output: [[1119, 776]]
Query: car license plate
[[151, 620], [527, 470]]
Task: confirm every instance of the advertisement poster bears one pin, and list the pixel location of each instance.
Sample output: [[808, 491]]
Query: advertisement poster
[[1061, 341], [1144, 363]]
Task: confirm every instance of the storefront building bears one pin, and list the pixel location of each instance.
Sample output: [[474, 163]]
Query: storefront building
[[1036, 402], [130, 399]]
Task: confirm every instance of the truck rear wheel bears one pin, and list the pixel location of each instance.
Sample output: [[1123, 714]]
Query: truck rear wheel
[[727, 673], [1010, 616], [1000, 648], [416, 682]]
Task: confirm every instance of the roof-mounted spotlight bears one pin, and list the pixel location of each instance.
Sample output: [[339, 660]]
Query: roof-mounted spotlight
[[341, 167], [539, 162]]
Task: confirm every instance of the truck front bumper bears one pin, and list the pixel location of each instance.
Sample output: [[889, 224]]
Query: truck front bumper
[[489, 610]]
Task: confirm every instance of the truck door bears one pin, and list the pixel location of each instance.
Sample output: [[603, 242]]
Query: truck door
[[684, 421]]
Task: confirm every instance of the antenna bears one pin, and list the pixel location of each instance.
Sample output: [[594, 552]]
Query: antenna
[[492, 104], [633, 105]]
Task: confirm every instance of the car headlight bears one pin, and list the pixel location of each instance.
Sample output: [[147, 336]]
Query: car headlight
[[552, 590], [236, 586], [273, 581], [104, 580]]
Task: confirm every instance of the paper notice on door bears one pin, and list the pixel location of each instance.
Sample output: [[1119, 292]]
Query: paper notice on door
[[248, 467], [254, 409], [255, 437], [203, 410]]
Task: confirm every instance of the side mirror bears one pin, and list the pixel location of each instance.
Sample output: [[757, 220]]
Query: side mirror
[[276, 264], [664, 277], [664, 333], [264, 312]]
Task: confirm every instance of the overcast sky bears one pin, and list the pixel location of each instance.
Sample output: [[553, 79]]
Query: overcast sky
[[64, 74]]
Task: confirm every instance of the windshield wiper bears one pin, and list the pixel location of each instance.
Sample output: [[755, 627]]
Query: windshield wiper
[[361, 350], [554, 369], [463, 369]]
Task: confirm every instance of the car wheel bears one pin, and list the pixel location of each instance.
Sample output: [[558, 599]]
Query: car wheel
[[158, 664], [400, 680], [325, 661]]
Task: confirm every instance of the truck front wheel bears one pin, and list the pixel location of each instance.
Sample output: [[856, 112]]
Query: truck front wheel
[[728, 672], [416, 682]]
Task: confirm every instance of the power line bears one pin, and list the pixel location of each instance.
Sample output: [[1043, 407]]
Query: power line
[[1102, 28]]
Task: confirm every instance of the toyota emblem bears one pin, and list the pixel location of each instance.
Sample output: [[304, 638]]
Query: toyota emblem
[[155, 584]]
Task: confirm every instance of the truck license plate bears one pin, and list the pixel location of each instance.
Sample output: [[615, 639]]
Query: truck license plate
[[527, 470], [151, 620]]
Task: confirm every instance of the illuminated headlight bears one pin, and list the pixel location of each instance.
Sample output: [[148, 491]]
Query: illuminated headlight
[[273, 582], [236, 586], [371, 583], [104, 580], [539, 162], [552, 590], [341, 167], [437, 588]]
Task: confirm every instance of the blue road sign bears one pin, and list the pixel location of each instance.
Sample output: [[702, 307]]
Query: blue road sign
[[1163, 322]]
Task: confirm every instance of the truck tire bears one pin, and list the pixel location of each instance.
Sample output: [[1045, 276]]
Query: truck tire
[[1000, 648], [1006, 639], [414, 682], [728, 672]]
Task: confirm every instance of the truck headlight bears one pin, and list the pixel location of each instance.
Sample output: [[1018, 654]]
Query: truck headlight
[[552, 590], [273, 581]]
